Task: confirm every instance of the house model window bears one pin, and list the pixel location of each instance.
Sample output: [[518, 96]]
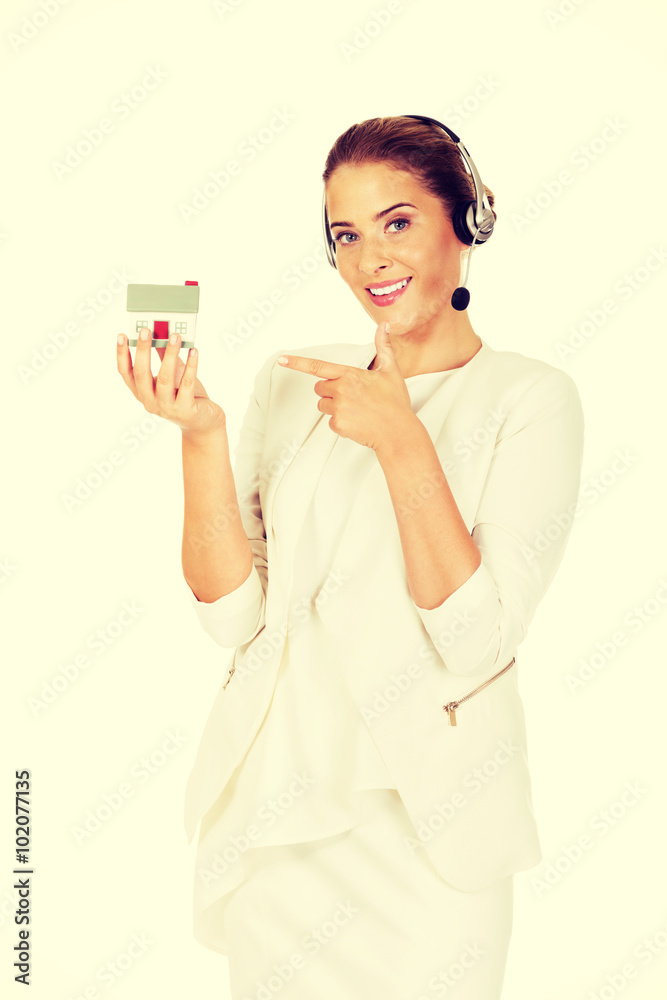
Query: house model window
[[164, 309]]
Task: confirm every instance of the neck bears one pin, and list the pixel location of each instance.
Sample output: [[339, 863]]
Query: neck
[[418, 352]]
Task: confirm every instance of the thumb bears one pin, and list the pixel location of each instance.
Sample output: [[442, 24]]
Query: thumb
[[386, 358]]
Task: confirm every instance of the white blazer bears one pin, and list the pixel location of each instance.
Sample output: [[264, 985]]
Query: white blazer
[[509, 433]]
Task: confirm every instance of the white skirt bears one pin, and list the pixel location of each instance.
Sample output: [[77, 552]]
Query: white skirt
[[360, 916]]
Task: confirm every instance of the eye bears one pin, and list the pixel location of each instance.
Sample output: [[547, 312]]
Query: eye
[[404, 223], [339, 238]]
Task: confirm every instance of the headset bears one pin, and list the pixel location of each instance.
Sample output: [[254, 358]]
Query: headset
[[472, 220]]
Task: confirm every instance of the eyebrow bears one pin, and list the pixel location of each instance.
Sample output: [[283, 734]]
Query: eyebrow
[[385, 211]]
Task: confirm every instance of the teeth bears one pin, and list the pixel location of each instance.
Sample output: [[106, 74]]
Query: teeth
[[389, 288]]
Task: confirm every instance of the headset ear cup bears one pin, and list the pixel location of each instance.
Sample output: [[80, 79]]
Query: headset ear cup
[[331, 250], [460, 223], [329, 244]]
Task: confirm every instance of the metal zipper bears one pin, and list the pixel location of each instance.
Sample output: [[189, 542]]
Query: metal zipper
[[451, 707]]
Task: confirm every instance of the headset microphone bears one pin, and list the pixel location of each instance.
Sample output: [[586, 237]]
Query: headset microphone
[[472, 220], [460, 298]]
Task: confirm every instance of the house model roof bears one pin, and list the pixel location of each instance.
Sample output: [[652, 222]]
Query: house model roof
[[163, 298]]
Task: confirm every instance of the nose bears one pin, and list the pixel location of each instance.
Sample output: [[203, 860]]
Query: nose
[[372, 256]]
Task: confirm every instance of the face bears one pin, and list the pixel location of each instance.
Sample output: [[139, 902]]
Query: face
[[390, 231]]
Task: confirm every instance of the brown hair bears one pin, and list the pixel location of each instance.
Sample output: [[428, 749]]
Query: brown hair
[[419, 147]]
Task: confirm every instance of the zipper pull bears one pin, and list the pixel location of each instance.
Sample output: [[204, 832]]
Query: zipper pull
[[229, 678], [450, 709]]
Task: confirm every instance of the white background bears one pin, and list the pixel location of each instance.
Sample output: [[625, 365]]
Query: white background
[[529, 91]]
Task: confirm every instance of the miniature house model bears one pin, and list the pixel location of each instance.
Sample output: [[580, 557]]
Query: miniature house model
[[164, 309]]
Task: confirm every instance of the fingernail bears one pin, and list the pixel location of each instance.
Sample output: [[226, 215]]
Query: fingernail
[[144, 333], [172, 338], [283, 360], [121, 339]]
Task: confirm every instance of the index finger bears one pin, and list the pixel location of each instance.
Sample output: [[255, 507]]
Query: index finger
[[124, 362], [314, 366]]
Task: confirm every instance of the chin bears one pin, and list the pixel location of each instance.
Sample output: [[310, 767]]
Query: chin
[[397, 323]]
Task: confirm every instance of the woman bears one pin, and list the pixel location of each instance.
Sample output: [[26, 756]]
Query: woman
[[376, 558]]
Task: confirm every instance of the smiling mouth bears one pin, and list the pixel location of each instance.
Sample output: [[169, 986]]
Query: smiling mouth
[[386, 295], [380, 290]]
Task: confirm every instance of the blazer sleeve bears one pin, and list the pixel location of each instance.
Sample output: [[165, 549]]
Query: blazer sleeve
[[522, 525], [237, 617]]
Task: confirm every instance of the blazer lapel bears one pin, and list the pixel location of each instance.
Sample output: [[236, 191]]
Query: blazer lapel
[[372, 513], [446, 415], [311, 439]]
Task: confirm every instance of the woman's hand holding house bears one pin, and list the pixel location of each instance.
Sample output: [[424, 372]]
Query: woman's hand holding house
[[175, 393]]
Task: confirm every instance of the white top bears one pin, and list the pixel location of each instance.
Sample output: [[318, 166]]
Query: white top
[[343, 760]]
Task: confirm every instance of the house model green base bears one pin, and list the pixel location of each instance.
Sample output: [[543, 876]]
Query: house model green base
[[164, 309]]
